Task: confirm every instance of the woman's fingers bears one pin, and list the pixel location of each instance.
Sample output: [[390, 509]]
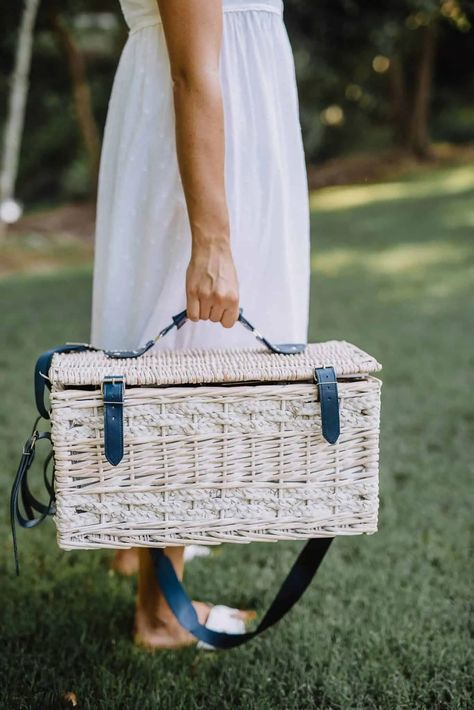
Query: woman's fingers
[[217, 311], [205, 308], [229, 317], [224, 312], [192, 306]]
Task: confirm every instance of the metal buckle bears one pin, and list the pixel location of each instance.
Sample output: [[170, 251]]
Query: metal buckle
[[30, 443], [111, 379], [328, 382]]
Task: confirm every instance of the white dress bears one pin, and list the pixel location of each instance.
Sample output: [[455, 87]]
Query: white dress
[[143, 237]]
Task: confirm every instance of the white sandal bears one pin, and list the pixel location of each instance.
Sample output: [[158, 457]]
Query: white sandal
[[222, 618]]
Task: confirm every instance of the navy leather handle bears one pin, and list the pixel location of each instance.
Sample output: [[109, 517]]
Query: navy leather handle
[[181, 318], [292, 589], [281, 348], [43, 363]]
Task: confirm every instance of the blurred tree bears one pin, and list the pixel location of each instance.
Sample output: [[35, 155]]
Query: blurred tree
[[55, 162], [376, 63], [80, 89], [411, 45], [410, 113], [16, 113], [370, 75]]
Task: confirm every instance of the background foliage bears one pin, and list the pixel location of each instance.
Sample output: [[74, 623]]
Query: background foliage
[[348, 54]]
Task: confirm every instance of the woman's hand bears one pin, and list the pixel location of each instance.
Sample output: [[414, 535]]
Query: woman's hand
[[212, 290]]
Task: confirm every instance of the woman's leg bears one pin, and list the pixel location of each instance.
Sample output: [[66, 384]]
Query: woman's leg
[[126, 562], [155, 623]]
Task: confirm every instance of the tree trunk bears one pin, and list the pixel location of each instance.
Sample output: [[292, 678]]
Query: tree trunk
[[418, 136], [399, 100], [81, 92], [16, 105]]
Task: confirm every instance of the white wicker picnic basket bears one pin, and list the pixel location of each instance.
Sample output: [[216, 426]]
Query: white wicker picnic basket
[[211, 446]]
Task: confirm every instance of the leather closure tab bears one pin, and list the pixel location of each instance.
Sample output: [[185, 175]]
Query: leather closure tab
[[113, 388], [325, 378]]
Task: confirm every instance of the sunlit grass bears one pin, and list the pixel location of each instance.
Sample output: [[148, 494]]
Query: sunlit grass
[[444, 182], [411, 239], [401, 259]]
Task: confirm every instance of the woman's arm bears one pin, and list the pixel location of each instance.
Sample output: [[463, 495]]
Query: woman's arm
[[193, 31]]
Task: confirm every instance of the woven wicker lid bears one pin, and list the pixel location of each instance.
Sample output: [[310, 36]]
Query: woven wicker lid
[[202, 366]]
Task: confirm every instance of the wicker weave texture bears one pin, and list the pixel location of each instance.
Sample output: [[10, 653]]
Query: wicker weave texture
[[212, 464]]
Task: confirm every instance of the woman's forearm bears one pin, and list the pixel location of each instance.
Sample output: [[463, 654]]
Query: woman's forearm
[[200, 149], [193, 32]]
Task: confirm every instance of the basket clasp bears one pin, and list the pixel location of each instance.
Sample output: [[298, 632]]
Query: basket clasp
[[113, 390]]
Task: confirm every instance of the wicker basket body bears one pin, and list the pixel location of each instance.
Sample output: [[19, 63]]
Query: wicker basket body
[[238, 457]]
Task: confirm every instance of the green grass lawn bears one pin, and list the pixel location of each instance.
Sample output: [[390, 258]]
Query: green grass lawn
[[386, 622]]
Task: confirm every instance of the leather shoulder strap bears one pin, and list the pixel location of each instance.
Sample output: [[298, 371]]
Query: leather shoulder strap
[[297, 581]]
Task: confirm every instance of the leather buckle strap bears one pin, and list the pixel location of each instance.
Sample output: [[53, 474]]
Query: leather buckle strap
[[325, 378], [113, 388]]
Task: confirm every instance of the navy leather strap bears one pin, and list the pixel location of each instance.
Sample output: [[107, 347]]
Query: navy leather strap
[[325, 378], [43, 363], [181, 318], [281, 348], [21, 491], [113, 387], [293, 587]]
